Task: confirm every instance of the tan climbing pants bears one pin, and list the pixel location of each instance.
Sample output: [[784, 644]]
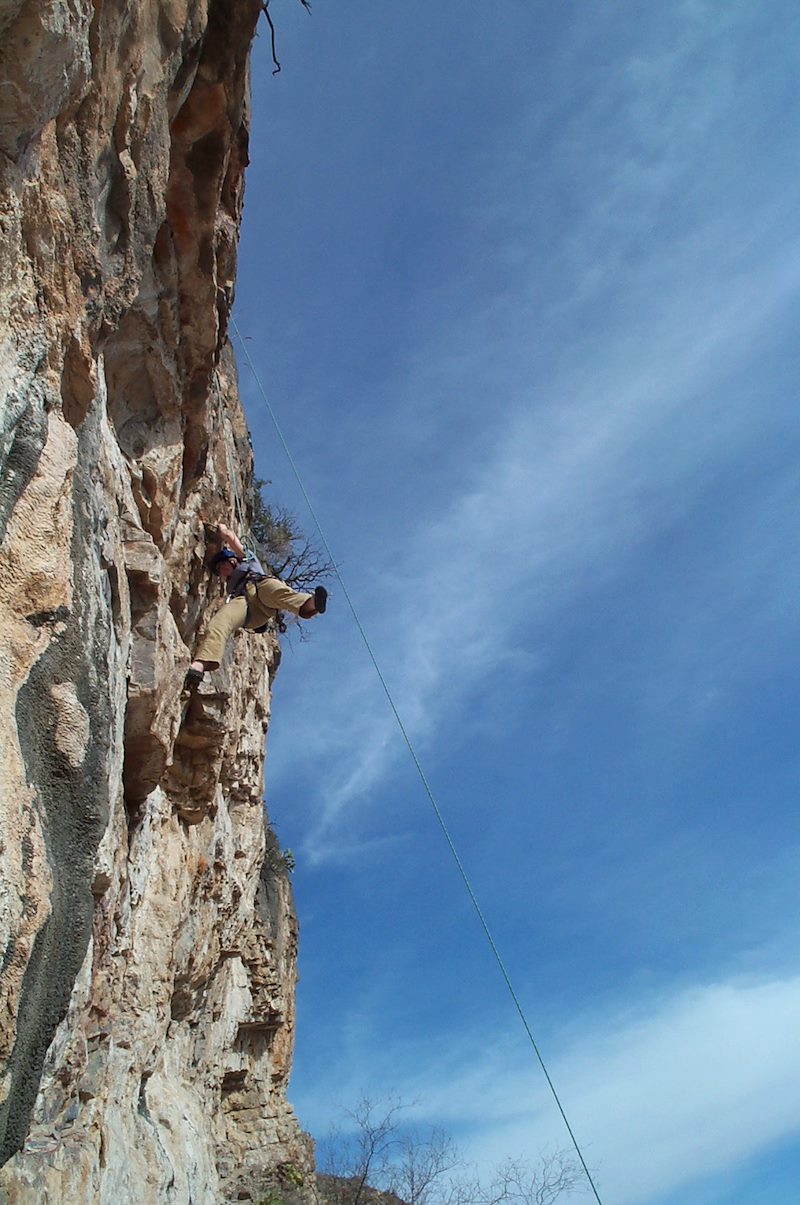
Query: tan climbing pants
[[262, 602]]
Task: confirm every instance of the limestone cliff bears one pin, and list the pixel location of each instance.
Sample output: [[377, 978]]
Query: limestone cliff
[[147, 985]]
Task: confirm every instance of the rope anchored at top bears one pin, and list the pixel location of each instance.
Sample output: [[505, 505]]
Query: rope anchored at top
[[265, 9]]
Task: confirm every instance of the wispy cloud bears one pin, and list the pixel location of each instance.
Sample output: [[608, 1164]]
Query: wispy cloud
[[569, 343], [539, 343], [671, 1092], [565, 498]]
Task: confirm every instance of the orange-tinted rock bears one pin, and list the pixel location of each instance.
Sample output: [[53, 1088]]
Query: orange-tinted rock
[[147, 993]]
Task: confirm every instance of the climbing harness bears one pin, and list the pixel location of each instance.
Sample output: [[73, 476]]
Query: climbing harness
[[426, 785]]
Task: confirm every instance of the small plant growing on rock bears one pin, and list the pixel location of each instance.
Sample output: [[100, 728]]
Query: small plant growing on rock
[[288, 1174], [276, 860], [273, 1197]]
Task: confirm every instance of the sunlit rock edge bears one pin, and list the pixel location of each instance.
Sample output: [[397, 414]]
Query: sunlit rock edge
[[149, 937]]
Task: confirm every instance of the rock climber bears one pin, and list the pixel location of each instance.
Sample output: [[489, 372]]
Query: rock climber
[[253, 598]]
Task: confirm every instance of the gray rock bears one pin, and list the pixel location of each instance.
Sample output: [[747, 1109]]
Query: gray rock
[[147, 990]]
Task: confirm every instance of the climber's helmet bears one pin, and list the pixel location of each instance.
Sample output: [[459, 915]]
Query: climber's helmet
[[223, 556]]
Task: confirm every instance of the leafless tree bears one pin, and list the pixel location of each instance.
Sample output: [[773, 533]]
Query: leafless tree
[[422, 1163], [379, 1160], [519, 1182], [284, 546], [362, 1160]]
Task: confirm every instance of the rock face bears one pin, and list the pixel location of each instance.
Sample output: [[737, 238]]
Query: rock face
[[147, 983], [341, 1190]]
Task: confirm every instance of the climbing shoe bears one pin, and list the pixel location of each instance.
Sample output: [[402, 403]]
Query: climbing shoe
[[193, 678], [320, 600]]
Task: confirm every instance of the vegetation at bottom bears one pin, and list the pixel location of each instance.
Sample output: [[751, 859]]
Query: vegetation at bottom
[[375, 1158]]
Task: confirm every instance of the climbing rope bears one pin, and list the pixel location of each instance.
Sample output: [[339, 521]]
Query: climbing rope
[[426, 785], [233, 477]]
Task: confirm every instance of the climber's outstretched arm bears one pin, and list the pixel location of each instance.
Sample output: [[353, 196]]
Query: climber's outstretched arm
[[231, 539]]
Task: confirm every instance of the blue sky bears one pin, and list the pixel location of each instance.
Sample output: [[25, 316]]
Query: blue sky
[[523, 285]]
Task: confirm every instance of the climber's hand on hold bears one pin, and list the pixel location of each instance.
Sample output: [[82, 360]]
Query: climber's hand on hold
[[231, 539]]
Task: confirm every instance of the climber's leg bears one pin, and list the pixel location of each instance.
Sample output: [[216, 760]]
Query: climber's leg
[[274, 595], [228, 619]]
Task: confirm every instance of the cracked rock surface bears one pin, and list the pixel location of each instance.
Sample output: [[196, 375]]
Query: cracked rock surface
[[148, 933]]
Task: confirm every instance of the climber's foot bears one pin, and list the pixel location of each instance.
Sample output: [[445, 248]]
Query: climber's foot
[[194, 677], [315, 605], [320, 600]]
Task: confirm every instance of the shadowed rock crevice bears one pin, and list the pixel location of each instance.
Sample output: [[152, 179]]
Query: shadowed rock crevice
[[64, 723], [23, 440], [149, 949]]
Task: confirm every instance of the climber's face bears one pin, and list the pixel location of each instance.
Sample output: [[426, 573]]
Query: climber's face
[[225, 569]]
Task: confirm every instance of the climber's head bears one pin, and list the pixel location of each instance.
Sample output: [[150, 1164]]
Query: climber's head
[[224, 563]]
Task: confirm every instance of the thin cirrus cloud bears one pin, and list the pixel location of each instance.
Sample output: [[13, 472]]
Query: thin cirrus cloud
[[659, 1098], [567, 494], [538, 328]]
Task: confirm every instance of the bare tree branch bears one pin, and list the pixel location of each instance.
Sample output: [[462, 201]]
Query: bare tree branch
[[282, 545], [265, 9], [384, 1162]]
